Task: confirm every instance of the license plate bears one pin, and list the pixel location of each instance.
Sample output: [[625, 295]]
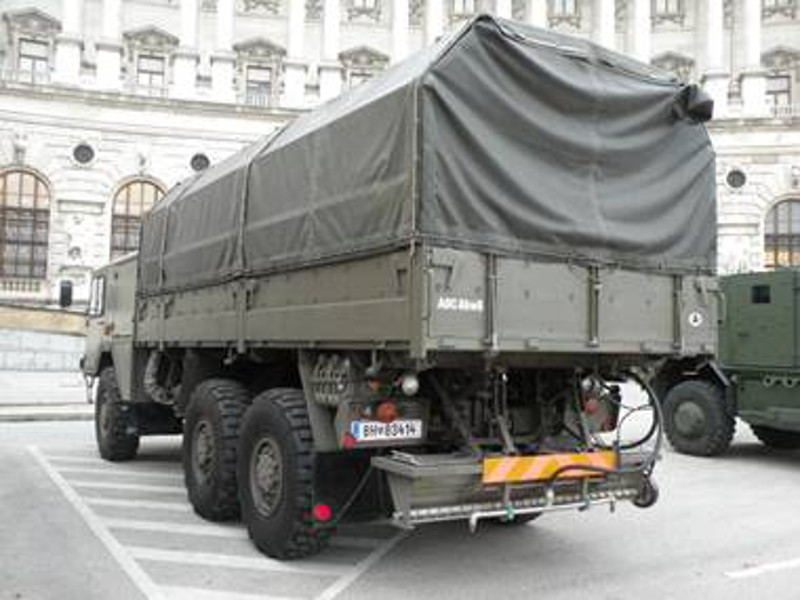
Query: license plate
[[396, 430]]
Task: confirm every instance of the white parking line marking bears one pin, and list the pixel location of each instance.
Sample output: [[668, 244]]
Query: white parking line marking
[[121, 503], [337, 587], [175, 592], [127, 557], [237, 533], [128, 564], [260, 563], [134, 487], [785, 565], [120, 472]]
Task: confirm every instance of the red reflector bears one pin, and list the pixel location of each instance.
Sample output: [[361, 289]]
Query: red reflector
[[349, 442], [387, 412], [323, 513]]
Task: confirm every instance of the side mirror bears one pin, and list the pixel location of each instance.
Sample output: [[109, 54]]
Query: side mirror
[[65, 294]]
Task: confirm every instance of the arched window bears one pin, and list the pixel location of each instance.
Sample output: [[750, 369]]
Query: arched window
[[131, 202], [24, 224], [782, 235]]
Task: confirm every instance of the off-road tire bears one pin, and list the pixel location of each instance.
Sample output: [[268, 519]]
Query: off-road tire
[[114, 421], [777, 438], [279, 417], [697, 420], [215, 411]]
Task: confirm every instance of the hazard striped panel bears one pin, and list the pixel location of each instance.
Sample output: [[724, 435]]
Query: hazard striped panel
[[510, 469]]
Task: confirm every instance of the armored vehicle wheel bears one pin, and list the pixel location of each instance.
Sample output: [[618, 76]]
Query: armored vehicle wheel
[[777, 438], [210, 437], [696, 419], [276, 471], [114, 421]]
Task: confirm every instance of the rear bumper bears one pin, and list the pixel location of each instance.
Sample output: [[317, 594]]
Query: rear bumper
[[446, 487]]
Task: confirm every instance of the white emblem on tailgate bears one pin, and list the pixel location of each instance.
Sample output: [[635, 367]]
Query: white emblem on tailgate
[[459, 304]]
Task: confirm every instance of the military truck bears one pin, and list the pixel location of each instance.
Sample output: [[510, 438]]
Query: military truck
[[759, 356], [419, 300]]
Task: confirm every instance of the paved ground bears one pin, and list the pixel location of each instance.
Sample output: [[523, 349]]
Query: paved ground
[[73, 526]]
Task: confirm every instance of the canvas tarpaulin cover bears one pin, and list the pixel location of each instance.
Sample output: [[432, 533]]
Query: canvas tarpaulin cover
[[502, 137]]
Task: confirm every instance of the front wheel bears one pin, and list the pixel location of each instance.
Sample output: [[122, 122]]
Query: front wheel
[[696, 419], [276, 475], [777, 438], [114, 421]]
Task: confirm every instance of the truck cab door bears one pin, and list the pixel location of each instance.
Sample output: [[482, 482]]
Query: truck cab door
[[95, 326], [759, 325]]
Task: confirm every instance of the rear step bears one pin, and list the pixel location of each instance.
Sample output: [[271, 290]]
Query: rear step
[[447, 487]]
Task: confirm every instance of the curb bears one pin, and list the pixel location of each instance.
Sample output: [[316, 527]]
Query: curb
[[21, 414]]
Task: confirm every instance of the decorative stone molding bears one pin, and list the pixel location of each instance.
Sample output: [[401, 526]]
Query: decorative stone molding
[[416, 12], [259, 48], [564, 13], [781, 58], [364, 10], [779, 9], [669, 11], [314, 10], [270, 7], [678, 64], [208, 5], [150, 38], [364, 58], [362, 63], [32, 22]]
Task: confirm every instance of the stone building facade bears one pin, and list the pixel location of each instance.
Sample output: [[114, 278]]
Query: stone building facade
[[105, 104]]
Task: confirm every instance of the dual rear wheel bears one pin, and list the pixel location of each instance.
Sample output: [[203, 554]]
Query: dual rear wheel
[[255, 460]]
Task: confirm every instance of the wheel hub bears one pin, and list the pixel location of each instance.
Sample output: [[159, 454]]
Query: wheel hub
[[266, 476], [690, 420], [203, 450]]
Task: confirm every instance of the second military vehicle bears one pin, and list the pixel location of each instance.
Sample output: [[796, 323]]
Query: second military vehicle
[[759, 378], [419, 300]]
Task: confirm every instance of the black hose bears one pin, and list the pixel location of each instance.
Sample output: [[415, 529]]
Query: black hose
[[648, 465]]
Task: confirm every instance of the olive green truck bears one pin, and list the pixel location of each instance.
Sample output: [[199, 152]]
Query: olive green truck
[[759, 363], [418, 302]]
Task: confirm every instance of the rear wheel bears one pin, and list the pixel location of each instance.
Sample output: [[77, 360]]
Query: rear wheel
[[276, 474], [210, 437], [696, 419], [777, 438], [114, 421]]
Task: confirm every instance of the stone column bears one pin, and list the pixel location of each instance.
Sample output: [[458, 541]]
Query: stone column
[[400, 25], [295, 74], [223, 60], [754, 82], [185, 57], [642, 30], [434, 20], [716, 79], [604, 18], [330, 69], [69, 44], [537, 13], [109, 48], [503, 8]]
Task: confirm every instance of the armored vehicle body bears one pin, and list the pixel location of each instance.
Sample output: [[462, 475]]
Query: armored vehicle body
[[419, 300], [759, 355]]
